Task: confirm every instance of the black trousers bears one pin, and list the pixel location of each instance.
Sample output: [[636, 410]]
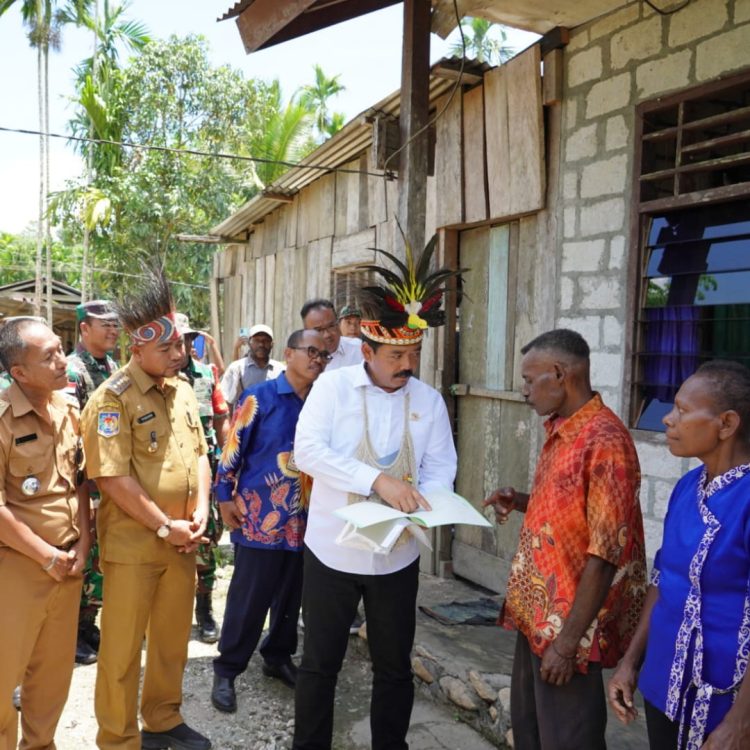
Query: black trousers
[[663, 733], [263, 579], [329, 602], [547, 717]]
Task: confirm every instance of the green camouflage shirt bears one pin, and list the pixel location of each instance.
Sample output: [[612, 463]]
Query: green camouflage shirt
[[86, 373]]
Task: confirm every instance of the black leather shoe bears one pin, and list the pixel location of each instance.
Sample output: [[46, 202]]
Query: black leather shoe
[[287, 673], [90, 633], [181, 737], [223, 695], [84, 653]]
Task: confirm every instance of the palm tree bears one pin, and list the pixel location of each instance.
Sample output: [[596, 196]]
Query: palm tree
[[285, 137], [315, 97], [97, 80], [480, 45], [43, 22]]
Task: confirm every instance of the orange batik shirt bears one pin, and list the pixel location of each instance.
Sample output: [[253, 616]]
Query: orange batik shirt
[[584, 501]]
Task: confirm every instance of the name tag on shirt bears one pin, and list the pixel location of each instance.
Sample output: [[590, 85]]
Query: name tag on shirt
[[146, 418], [25, 438]]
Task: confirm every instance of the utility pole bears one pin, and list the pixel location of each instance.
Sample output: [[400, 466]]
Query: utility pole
[[415, 98]]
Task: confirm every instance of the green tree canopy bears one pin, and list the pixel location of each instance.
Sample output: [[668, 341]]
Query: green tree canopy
[[169, 96], [485, 42]]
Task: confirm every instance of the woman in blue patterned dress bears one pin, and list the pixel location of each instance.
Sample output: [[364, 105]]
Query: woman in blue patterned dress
[[693, 640]]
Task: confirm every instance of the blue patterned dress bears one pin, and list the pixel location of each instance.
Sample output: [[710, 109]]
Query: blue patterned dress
[[699, 636]]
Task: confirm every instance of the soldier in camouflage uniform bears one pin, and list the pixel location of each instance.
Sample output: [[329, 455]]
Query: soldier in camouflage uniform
[[88, 367], [214, 413]]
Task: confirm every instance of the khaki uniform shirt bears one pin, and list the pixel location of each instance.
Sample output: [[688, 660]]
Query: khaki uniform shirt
[[33, 445], [131, 427]]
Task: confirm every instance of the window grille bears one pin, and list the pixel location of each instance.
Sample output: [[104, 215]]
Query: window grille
[[693, 185]]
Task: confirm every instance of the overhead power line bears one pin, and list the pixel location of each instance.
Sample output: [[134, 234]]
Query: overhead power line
[[197, 152], [67, 268]]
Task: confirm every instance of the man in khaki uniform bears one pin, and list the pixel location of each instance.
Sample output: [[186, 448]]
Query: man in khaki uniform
[[142, 431], [44, 534]]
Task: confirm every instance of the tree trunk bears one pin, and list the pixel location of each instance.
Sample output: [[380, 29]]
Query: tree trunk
[[89, 168], [40, 214], [47, 228]]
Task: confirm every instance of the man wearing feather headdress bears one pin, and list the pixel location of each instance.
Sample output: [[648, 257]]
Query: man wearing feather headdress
[[371, 432], [263, 499], [148, 455]]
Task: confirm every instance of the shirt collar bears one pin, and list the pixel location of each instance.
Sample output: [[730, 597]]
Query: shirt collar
[[282, 384], [569, 428], [18, 401], [144, 381], [362, 379], [250, 362], [22, 406]]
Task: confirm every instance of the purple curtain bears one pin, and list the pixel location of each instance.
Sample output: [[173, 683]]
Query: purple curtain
[[672, 346]]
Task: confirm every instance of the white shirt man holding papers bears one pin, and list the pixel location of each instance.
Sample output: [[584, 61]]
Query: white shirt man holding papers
[[368, 433]]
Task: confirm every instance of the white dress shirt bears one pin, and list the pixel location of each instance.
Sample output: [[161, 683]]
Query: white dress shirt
[[349, 352], [243, 373], [328, 434]]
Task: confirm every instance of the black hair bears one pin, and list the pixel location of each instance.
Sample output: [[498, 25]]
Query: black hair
[[560, 340], [314, 304], [295, 338], [12, 344], [154, 301], [729, 383], [374, 345]]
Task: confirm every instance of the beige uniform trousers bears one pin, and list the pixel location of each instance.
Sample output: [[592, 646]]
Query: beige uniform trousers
[[38, 626], [154, 599]]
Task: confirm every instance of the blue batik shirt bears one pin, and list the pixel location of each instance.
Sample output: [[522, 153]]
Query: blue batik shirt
[[257, 472]]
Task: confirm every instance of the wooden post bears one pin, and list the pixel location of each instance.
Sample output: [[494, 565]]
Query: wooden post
[[415, 96]]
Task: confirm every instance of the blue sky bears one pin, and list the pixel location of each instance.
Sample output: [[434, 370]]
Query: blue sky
[[365, 51]]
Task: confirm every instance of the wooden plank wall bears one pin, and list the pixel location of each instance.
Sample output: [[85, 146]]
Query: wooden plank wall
[[515, 136], [489, 165]]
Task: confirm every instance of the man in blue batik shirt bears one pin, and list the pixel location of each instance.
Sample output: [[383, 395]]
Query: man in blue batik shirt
[[263, 499]]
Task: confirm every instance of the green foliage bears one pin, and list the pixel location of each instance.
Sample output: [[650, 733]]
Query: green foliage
[[284, 137], [18, 255], [485, 42], [314, 97], [167, 96]]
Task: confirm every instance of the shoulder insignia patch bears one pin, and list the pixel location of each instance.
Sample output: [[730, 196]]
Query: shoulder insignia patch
[[108, 424], [118, 383]]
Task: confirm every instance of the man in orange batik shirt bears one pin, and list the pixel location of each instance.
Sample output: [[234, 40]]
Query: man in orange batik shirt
[[578, 578]]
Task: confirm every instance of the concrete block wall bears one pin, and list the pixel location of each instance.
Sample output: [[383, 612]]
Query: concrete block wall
[[612, 64]]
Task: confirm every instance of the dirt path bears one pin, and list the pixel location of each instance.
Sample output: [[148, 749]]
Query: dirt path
[[264, 720]]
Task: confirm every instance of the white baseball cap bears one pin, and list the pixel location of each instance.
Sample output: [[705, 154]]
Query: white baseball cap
[[260, 328]]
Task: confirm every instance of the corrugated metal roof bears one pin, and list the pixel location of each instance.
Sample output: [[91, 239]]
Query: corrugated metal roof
[[354, 138], [236, 9]]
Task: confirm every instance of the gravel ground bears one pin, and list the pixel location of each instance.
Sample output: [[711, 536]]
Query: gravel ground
[[264, 720]]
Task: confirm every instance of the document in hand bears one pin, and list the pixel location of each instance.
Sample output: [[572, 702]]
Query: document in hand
[[376, 526]]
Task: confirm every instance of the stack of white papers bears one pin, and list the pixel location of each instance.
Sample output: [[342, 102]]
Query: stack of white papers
[[377, 527]]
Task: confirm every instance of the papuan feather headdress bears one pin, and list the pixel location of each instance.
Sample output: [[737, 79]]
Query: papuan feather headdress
[[150, 315], [399, 310]]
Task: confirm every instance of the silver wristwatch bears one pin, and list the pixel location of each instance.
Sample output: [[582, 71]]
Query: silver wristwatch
[[163, 531]]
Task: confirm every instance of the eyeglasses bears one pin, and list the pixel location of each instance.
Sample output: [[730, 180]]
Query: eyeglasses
[[314, 353]]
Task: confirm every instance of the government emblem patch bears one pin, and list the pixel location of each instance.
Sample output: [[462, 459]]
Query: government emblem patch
[[109, 423]]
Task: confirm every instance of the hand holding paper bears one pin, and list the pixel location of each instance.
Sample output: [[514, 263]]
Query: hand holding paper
[[378, 522]]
